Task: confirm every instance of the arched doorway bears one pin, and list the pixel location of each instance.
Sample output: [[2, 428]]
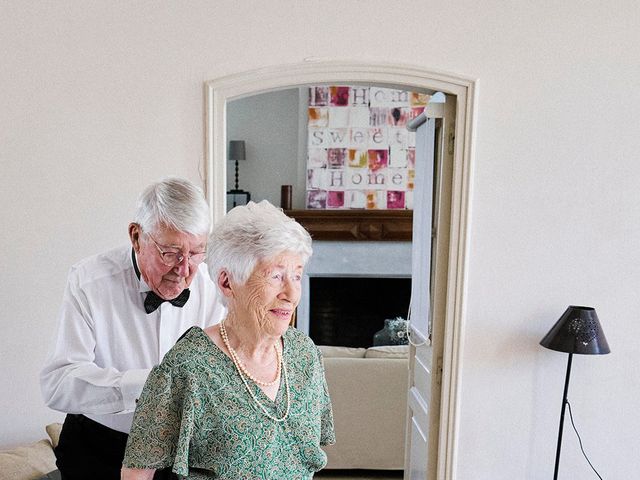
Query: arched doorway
[[452, 247]]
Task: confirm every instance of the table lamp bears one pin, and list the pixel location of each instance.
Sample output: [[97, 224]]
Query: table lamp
[[236, 153]]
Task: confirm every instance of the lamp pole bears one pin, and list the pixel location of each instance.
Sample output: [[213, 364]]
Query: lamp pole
[[564, 405]]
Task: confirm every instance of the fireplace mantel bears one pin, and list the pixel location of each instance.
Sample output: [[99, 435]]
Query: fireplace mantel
[[346, 225]]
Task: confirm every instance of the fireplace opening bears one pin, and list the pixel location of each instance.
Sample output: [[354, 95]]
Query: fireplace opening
[[348, 311]]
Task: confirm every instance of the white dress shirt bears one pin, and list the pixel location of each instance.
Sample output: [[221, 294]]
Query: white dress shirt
[[107, 344]]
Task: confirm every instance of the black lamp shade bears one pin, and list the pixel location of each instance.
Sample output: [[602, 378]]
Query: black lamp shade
[[577, 331], [236, 150]]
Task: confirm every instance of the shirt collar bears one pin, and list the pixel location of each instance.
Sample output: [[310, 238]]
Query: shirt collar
[[143, 287]]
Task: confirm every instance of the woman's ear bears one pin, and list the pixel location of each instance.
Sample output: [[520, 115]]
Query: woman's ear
[[224, 284]]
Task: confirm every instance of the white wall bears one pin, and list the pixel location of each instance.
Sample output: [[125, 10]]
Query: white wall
[[268, 123], [97, 99]]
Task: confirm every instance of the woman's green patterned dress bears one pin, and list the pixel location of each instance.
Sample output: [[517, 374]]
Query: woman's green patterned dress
[[196, 415]]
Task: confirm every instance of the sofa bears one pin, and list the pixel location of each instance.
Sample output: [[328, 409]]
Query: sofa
[[368, 388], [35, 461]]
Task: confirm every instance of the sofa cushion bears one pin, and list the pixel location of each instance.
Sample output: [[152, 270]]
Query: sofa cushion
[[329, 351], [388, 351], [53, 430], [29, 462]]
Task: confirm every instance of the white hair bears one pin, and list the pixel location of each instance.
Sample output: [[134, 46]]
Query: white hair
[[175, 203], [251, 233]]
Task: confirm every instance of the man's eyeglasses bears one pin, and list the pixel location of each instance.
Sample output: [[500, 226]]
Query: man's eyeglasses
[[171, 259]]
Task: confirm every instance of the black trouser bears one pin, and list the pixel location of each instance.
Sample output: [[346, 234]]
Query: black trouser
[[88, 450]]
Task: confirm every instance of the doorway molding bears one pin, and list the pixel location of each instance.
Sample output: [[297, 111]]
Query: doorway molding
[[219, 91]]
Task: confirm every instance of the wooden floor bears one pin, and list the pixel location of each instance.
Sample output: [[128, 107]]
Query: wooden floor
[[360, 474]]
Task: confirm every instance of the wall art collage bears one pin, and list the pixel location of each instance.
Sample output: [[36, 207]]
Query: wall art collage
[[360, 153]]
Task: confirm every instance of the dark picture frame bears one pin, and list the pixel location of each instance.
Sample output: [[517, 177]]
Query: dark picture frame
[[236, 198]]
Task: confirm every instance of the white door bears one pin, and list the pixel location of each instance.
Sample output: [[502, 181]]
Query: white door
[[428, 256]]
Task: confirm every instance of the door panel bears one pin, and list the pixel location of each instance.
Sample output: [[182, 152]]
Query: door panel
[[420, 365], [418, 440]]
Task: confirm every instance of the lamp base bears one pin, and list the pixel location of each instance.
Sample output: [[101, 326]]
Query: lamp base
[[564, 404], [237, 197]]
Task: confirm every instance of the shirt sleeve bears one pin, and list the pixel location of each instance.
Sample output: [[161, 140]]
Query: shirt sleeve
[[162, 424], [70, 381]]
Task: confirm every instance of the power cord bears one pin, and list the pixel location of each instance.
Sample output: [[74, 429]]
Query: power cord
[[580, 440]]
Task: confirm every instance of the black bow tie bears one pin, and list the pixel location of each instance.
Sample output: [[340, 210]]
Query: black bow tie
[[153, 301]]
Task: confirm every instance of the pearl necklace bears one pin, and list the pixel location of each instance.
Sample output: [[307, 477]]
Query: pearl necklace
[[242, 372], [241, 366]]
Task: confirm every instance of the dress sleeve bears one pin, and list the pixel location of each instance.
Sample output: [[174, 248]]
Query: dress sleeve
[[162, 423], [327, 432]]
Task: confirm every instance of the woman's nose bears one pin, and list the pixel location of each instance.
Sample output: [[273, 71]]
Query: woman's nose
[[289, 289]]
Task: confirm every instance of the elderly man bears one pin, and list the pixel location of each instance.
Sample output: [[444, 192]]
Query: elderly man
[[121, 312]]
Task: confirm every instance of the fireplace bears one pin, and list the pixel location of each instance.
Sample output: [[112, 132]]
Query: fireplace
[[350, 288], [347, 311]]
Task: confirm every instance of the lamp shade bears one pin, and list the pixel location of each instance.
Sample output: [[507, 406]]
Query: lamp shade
[[577, 331], [236, 150]]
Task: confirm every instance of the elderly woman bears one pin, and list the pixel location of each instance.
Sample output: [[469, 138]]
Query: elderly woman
[[247, 398]]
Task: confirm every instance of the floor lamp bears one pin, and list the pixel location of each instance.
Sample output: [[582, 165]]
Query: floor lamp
[[577, 331]]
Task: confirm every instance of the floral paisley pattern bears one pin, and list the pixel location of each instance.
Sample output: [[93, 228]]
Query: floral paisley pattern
[[196, 415]]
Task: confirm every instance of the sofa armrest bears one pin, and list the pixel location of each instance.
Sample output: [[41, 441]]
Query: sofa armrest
[[369, 399]]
